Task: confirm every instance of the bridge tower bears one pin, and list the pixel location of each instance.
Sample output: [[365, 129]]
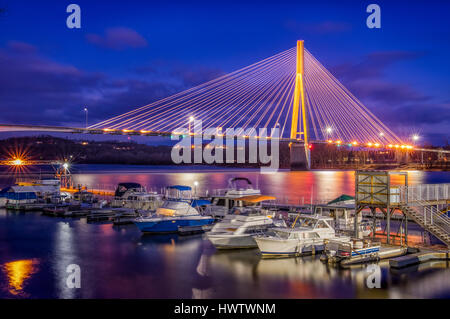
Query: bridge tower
[[299, 149]]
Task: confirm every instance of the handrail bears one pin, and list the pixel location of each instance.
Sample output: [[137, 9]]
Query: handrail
[[434, 214], [424, 192]]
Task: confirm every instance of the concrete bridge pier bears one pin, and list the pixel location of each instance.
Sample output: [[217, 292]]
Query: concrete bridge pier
[[401, 157], [300, 157]]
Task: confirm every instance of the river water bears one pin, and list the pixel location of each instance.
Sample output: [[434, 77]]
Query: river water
[[118, 262]]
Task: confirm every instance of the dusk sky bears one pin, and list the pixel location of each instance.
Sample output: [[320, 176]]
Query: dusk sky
[[130, 53]]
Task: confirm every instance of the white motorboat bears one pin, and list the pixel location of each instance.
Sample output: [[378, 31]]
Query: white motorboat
[[307, 235], [135, 196], [225, 199], [236, 230], [179, 211]]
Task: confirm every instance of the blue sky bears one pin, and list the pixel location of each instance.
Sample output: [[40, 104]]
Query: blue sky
[[130, 53]]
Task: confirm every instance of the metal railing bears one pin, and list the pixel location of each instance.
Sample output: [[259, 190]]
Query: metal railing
[[424, 192], [431, 215]]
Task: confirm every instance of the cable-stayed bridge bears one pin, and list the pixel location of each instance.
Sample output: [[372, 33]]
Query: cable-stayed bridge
[[291, 95], [291, 91]]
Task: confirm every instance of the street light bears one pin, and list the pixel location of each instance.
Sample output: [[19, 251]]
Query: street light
[[329, 130], [415, 137], [86, 112]]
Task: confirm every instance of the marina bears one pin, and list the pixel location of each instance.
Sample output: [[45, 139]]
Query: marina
[[224, 158], [91, 220]]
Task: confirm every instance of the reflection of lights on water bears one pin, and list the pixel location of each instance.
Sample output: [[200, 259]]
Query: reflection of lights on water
[[18, 272]]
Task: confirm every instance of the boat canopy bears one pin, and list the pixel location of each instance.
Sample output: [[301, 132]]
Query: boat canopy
[[200, 202], [256, 198], [123, 187], [235, 179], [342, 198], [181, 188]]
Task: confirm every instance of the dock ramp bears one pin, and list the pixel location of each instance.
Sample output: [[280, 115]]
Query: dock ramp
[[431, 219], [421, 203]]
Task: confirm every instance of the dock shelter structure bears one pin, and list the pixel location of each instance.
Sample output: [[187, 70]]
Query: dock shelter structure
[[373, 190], [423, 203]]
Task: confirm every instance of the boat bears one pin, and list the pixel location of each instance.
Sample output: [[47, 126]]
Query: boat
[[178, 210], [83, 196], [358, 251], [236, 230], [178, 192], [171, 215], [135, 196], [123, 189], [225, 199], [345, 222], [342, 210], [307, 235]]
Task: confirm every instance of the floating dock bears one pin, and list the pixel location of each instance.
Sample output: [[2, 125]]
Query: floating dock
[[418, 258]]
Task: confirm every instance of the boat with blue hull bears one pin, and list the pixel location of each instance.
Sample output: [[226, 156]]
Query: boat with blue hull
[[176, 214], [159, 225]]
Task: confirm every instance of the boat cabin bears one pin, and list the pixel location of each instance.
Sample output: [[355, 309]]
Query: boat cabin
[[124, 188], [306, 227]]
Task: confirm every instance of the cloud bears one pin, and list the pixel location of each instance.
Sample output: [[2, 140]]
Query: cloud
[[194, 76], [373, 65], [118, 38], [21, 47], [319, 28], [366, 79], [37, 90], [399, 105]]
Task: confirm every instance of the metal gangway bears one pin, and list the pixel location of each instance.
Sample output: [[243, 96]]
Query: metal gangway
[[427, 205]]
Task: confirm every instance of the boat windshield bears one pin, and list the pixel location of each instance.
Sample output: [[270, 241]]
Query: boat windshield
[[174, 205], [283, 234], [307, 222]]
